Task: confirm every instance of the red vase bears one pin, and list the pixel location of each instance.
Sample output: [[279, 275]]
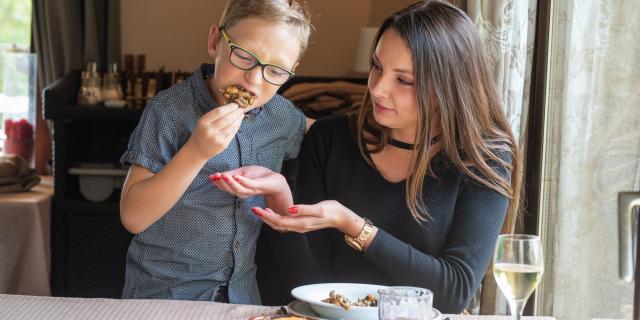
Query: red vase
[[23, 148]]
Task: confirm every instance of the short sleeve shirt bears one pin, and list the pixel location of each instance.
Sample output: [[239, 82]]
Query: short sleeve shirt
[[208, 239]]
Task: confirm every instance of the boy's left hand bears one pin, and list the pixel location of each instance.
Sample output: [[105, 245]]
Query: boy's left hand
[[249, 181]]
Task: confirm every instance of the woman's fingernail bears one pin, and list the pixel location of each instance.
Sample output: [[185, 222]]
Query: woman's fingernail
[[225, 178], [293, 210], [212, 178], [235, 177], [256, 212]]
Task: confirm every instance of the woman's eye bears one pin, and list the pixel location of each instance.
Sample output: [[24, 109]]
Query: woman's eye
[[376, 66], [405, 82]]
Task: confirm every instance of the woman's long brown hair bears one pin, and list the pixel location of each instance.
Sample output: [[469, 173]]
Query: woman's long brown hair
[[460, 113]]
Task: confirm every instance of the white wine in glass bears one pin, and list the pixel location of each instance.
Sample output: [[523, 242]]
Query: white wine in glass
[[517, 268]]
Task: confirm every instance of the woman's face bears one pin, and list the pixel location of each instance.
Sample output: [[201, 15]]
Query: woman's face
[[392, 84], [271, 42]]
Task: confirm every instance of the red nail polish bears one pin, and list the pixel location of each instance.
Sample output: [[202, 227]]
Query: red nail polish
[[212, 178], [256, 212], [225, 178], [293, 210]]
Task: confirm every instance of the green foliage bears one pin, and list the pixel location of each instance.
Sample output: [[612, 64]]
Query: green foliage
[[15, 22], [15, 28]]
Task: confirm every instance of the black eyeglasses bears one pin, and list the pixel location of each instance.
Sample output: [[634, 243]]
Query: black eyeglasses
[[245, 60]]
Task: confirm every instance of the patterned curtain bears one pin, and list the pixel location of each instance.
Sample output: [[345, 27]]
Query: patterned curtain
[[507, 29], [592, 152]]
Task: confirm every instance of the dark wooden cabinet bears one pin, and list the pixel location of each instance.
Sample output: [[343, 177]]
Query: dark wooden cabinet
[[88, 241]]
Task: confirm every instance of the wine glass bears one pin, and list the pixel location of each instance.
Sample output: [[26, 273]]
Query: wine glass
[[517, 268]]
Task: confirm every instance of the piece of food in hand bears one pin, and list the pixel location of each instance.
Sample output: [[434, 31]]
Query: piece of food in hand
[[238, 95]]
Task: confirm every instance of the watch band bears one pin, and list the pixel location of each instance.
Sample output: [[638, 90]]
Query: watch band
[[359, 241]]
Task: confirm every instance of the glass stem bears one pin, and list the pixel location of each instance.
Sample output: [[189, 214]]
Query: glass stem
[[516, 308]]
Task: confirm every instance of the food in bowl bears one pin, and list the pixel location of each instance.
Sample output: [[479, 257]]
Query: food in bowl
[[339, 300], [238, 95], [313, 294]]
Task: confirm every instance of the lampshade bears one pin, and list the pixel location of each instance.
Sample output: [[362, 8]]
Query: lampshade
[[363, 51]]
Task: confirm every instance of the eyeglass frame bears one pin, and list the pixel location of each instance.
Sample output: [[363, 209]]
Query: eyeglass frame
[[233, 46]]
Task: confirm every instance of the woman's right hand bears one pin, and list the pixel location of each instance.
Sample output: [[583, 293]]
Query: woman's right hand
[[304, 218], [214, 131]]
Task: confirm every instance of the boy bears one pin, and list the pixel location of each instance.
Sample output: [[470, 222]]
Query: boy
[[194, 241]]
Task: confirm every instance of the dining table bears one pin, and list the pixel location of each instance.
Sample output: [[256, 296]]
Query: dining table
[[25, 247], [25, 307]]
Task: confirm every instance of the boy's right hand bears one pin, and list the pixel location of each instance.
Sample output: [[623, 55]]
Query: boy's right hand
[[215, 130]]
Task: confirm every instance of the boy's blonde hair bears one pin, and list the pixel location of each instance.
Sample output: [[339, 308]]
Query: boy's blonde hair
[[293, 13]]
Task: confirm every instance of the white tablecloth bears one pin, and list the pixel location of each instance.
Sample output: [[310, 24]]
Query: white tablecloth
[[25, 254], [55, 308]]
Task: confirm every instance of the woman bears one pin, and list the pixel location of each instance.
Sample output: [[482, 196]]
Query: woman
[[414, 189]]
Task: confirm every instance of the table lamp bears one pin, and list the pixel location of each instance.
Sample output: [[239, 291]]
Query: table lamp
[[363, 51]]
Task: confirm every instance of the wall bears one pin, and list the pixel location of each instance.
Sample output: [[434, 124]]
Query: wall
[[380, 9], [170, 33], [174, 34]]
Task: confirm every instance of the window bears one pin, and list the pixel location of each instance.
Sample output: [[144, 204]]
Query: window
[[17, 65]]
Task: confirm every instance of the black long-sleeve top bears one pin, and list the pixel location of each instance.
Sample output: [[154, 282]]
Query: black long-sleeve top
[[448, 254]]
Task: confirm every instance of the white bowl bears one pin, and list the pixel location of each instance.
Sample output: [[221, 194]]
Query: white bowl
[[97, 180], [303, 309], [313, 294]]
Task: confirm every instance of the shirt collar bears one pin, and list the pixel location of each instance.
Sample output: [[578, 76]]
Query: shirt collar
[[199, 86]]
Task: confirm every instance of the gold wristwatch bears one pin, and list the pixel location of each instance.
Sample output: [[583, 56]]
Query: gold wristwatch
[[359, 241]]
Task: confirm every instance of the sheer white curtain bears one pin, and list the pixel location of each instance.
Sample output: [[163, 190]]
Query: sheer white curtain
[[592, 152]]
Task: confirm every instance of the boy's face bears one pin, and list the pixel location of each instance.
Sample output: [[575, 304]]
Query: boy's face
[[272, 43]]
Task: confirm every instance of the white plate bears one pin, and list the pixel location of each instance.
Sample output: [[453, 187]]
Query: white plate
[[313, 294], [303, 309]]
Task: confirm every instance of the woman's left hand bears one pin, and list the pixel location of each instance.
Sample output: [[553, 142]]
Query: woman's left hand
[[250, 181], [305, 218]]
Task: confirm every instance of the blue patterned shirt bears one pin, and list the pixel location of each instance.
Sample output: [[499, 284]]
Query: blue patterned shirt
[[208, 239]]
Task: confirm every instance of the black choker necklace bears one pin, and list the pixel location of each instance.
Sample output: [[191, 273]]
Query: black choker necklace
[[401, 145]]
